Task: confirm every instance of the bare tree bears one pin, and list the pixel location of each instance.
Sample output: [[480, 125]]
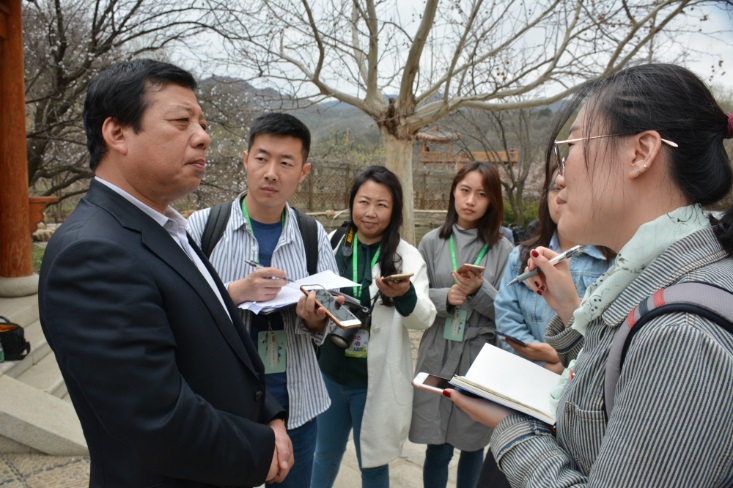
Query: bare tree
[[408, 70], [520, 134], [67, 43]]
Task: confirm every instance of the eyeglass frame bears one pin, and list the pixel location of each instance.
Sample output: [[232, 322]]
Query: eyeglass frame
[[561, 160]]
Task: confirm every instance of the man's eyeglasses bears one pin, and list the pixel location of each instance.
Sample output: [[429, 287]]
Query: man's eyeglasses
[[562, 149]]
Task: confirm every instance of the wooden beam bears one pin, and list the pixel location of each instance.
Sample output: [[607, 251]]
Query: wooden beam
[[15, 238], [4, 11]]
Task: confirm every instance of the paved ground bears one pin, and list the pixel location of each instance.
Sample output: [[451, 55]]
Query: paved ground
[[39, 471]]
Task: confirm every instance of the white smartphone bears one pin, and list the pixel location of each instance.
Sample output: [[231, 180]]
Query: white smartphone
[[396, 278], [430, 382], [437, 384], [341, 316]]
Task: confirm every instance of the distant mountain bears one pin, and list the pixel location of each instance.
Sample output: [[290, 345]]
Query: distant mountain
[[227, 86], [327, 119]]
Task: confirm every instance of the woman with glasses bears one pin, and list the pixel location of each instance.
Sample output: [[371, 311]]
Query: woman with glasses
[[523, 314], [520, 312], [643, 155], [464, 300]]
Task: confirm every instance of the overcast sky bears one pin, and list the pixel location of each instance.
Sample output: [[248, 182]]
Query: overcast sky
[[711, 59], [712, 52], [703, 54]]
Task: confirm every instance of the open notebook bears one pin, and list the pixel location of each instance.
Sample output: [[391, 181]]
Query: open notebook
[[290, 294], [512, 381]]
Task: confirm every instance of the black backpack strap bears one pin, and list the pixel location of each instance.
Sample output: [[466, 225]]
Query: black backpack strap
[[309, 231], [215, 225], [339, 233], [703, 299]]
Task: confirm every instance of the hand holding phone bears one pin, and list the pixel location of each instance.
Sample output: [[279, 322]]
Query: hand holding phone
[[341, 316], [471, 268], [511, 338], [397, 278], [431, 382], [437, 384]]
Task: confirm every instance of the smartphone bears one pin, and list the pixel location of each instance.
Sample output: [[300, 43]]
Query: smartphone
[[430, 382], [340, 315], [511, 338], [437, 384], [396, 278], [471, 268]]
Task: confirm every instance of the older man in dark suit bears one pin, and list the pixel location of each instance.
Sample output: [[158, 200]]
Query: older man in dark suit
[[168, 386]]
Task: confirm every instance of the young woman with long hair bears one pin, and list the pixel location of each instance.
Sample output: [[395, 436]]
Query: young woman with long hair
[[369, 382], [470, 235], [524, 314], [642, 156]]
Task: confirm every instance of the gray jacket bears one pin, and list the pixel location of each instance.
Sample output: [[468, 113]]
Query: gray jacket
[[435, 420], [671, 425]]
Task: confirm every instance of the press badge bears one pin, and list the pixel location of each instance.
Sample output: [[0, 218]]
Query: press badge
[[272, 347], [359, 346], [455, 326]]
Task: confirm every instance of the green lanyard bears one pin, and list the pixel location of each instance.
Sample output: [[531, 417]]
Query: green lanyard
[[355, 265], [481, 253], [245, 212]]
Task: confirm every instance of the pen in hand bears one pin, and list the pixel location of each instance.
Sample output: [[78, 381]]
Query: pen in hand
[[257, 265], [573, 251]]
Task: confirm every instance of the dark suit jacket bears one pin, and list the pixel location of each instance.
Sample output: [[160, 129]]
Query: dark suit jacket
[[169, 391]]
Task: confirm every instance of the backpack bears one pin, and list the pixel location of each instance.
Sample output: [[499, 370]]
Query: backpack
[[339, 233], [13, 345], [703, 299], [219, 216]]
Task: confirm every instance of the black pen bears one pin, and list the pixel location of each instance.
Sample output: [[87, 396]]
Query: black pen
[[257, 265], [573, 251]]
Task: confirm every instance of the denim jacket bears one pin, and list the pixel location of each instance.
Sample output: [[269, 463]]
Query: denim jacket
[[522, 313]]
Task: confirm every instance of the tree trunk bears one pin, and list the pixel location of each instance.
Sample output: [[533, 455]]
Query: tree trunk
[[517, 202], [398, 155]]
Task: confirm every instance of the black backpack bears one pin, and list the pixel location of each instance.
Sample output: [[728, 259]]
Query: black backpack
[[219, 216], [339, 233], [703, 299], [13, 345]]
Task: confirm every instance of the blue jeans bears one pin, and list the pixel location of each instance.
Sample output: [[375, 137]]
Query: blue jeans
[[304, 444], [334, 425], [435, 469]]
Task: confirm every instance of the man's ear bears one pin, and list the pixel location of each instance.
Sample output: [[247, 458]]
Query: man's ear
[[114, 136], [244, 160], [647, 145], [304, 172]]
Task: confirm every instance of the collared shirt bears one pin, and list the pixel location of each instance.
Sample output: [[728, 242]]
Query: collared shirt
[[306, 391], [175, 225], [522, 313]]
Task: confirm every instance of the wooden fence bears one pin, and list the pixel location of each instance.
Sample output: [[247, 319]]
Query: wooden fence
[[328, 184]]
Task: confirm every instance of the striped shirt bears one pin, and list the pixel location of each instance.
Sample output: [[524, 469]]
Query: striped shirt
[[671, 425], [306, 391]]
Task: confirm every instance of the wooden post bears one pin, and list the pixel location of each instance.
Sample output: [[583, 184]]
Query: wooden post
[[15, 240], [311, 185]]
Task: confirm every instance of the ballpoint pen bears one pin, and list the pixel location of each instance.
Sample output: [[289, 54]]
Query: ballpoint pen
[[257, 265], [573, 251]]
